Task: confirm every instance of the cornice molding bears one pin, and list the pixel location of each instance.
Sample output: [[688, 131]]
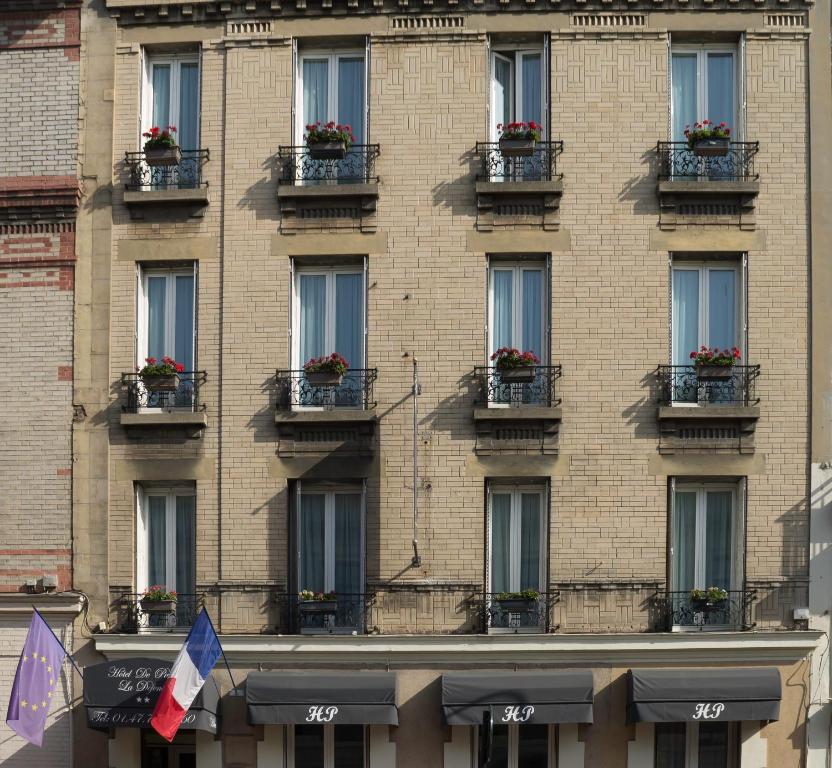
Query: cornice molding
[[61, 605]]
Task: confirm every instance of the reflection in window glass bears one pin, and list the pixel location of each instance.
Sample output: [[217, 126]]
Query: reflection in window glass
[[670, 745], [309, 746], [533, 746], [714, 744], [499, 747], [349, 746]]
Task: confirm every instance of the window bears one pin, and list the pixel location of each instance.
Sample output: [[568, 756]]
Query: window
[[707, 532], [697, 745], [329, 317], [518, 88], [521, 746], [166, 539], [330, 549], [327, 746], [166, 324], [704, 87], [157, 753], [171, 96]]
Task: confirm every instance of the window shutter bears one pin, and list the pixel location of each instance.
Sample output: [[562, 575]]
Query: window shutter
[[670, 529], [669, 89], [744, 300], [196, 316], [139, 315], [296, 133], [291, 323], [546, 74], [488, 537], [489, 87], [740, 129], [141, 542], [367, 90], [739, 547], [548, 295], [366, 315], [487, 312], [296, 519], [363, 576]]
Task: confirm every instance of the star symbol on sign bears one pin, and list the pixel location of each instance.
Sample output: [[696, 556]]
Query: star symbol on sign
[[51, 681], [43, 703], [25, 658], [34, 707], [49, 694], [147, 699], [49, 669], [43, 659], [24, 703]]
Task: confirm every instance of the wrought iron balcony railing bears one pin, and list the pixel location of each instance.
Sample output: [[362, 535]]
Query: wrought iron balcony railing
[[355, 390], [685, 384], [187, 174], [503, 614], [184, 397], [683, 612], [679, 163], [344, 614], [134, 615], [497, 390], [541, 165], [300, 168]]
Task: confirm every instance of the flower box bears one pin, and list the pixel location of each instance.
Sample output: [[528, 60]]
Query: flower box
[[523, 374], [327, 150], [163, 156], [319, 607], [161, 383], [516, 604], [324, 378], [711, 147], [157, 606], [714, 372], [517, 147]]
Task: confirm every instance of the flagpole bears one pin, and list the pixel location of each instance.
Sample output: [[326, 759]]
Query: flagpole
[[68, 654], [208, 616]]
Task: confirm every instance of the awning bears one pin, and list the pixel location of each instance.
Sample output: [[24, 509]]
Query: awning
[[519, 697], [122, 694], [340, 698], [676, 695]]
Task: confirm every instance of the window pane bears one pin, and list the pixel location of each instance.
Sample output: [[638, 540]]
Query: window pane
[[312, 506], [309, 746], [532, 96], [685, 314], [718, 543], [188, 106], [721, 88], [156, 540], [533, 311], [533, 747], [714, 744], [684, 94], [351, 95], [315, 76], [348, 543], [530, 541], [312, 317], [500, 542], [183, 350], [185, 543], [503, 83], [156, 300], [349, 318], [499, 747], [503, 308], [161, 95], [684, 542], [349, 746], [722, 308], [670, 745]]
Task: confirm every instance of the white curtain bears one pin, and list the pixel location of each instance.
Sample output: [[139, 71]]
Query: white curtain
[[684, 542], [722, 310], [721, 82], [503, 308], [312, 527], [670, 746], [533, 311], [714, 744], [530, 541], [349, 318], [156, 301], [183, 351], [309, 746], [531, 107], [312, 317], [156, 519], [501, 542], [348, 544], [185, 544], [161, 76], [502, 88], [315, 90], [685, 314], [187, 134], [718, 539], [351, 95], [684, 94]]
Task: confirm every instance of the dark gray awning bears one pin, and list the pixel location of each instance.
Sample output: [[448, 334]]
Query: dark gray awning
[[122, 694], [676, 695], [563, 696], [354, 698]]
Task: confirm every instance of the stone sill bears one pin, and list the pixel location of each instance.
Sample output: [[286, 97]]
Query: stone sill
[[317, 191], [709, 187], [166, 197], [348, 415], [523, 413], [554, 187], [191, 420], [709, 413]]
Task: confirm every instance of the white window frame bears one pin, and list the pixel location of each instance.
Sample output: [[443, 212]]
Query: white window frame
[[517, 83], [514, 745], [332, 57], [516, 491], [701, 490], [170, 310], [329, 746], [703, 268], [329, 492], [331, 322], [170, 492], [175, 62], [692, 746], [517, 267], [702, 52]]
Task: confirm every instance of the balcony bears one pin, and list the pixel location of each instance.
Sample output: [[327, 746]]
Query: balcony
[[707, 190], [177, 409], [346, 614], [317, 419], [328, 192], [707, 413], [681, 613], [132, 617], [523, 190], [517, 416], [179, 186]]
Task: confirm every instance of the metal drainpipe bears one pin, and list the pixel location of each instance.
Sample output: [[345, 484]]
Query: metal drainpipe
[[417, 559]]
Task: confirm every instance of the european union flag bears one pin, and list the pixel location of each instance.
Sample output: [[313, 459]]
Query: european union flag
[[35, 682]]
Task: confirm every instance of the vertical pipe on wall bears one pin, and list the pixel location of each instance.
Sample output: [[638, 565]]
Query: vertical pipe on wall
[[417, 559]]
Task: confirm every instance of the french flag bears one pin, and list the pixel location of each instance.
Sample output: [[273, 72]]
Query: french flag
[[187, 676]]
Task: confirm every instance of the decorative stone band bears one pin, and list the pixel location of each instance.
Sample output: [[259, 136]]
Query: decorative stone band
[[563, 696], [724, 694], [279, 698]]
